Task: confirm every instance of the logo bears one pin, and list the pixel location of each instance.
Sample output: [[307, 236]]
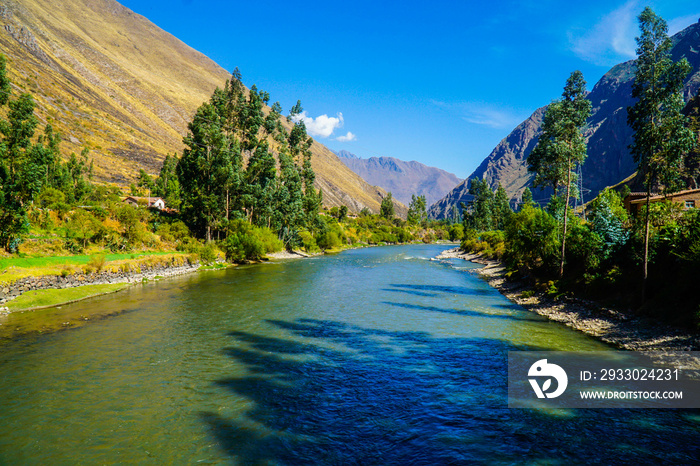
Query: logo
[[543, 369]]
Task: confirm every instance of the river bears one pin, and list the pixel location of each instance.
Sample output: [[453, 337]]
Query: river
[[371, 356]]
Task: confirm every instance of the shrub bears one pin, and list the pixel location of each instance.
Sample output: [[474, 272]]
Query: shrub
[[456, 232], [531, 239], [97, 262], [584, 247], [207, 253], [308, 242], [328, 240], [248, 242]]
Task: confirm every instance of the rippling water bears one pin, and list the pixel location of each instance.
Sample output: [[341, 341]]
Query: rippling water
[[373, 356]]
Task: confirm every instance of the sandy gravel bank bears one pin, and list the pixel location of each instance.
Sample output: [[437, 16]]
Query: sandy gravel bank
[[611, 326]]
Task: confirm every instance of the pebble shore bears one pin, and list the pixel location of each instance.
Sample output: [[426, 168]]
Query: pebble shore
[[608, 325]]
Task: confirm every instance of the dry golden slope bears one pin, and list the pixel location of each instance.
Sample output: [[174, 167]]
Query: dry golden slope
[[110, 80]]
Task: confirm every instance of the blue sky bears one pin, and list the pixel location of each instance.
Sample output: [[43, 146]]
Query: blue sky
[[439, 82]]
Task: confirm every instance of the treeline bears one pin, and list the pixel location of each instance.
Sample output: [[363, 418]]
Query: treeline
[[242, 167], [243, 187], [646, 262], [31, 167]]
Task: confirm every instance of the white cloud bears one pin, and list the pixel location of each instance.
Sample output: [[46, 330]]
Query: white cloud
[[321, 126], [611, 39], [678, 24], [347, 138], [483, 114]]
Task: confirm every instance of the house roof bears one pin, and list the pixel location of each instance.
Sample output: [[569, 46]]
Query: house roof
[[143, 198], [657, 197]]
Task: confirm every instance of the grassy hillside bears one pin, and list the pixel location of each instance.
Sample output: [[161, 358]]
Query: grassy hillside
[[110, 80]]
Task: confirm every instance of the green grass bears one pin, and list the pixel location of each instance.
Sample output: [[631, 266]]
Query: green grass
[[30, 262], [216, 266], [54, 297]]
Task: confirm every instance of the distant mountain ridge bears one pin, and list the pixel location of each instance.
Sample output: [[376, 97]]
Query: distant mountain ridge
[[401, 178], [608, 135], [110, 80]]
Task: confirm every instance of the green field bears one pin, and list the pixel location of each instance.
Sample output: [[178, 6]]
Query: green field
[[29, 262], [53, 297]]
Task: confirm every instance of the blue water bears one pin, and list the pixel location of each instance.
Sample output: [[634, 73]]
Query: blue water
[[372, 356]]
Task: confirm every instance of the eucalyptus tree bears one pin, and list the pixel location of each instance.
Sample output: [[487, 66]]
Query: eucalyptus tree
[[300, 149], [386, 209], [660, 133], [204, 169], [417, 209], [561, 146], [501, 208], [481, 215]]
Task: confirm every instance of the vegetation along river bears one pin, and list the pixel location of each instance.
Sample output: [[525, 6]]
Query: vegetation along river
[[372, 356]]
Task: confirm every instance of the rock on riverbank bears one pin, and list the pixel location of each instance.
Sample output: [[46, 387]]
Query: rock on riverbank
[[622, 330], [144, 272]]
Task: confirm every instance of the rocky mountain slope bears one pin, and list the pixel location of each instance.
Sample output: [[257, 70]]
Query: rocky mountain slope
[[402, 179], [608, 135], [110, 80]]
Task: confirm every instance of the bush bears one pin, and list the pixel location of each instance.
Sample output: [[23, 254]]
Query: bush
[[456, 232], [248, 242], [531, 239], [308, 242], [328, 240], [97, 262], [207, 253], [584, 248], [50, 197]]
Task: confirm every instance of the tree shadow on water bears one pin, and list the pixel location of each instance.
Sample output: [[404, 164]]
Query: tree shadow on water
[[335, 393]]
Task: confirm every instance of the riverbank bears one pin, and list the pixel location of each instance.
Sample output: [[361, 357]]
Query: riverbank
[[127, 272], [133, 271], [611, 326]]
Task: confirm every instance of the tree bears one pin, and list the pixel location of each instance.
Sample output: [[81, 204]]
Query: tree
[[526, 199], [289, 213], [660, 133], [386, 209], [5, 85], [691, 162], [300, 149], [416, 209], [146, 182], [501, 208], [260, 186], [562, 146], [607, 216], [480, 217], [83, 226], [166, 185], [204, 169], [21, 172]]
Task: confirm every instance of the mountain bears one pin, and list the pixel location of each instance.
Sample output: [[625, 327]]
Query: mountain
[[401, 178], [608, 135], [108, 79]]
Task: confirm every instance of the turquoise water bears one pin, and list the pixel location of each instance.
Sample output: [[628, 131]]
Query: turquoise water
[[372, 356]]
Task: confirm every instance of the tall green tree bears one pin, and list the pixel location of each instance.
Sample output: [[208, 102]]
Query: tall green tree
[[260, 179], [480, 216], [5, 85], [561, 146], [21, 170], [501, 208], [300, 149], [167, 186], [526, 198], [289, 212], [660, 133], [691, 162], [386, 209], [417, 210], [203, 170]]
